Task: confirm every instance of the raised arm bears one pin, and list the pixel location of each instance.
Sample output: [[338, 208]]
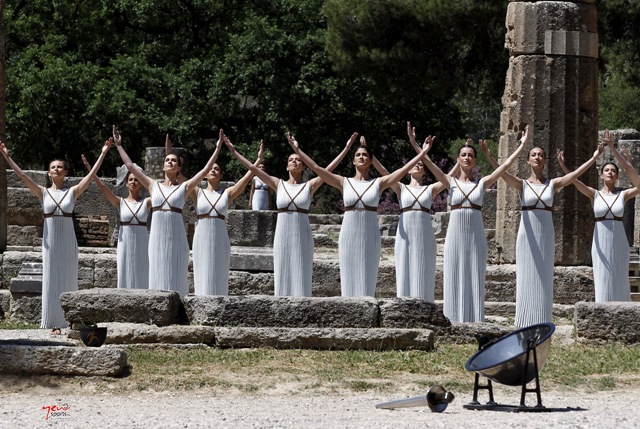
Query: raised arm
[[567, 179], [498, 172], [634, 178], [316, 182], [393, 178], [324, 174], [438, 186], [86, 180], [511, 180], [31, 185], [587, 191], [235, 190], [444, 179], [271, 182], [144, 180], [195, 180], [111, 197]]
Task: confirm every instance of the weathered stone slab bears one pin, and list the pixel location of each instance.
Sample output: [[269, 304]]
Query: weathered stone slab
[[268, 311], [325, 338], [140, 333], [22, 359], [121, 305], [5, 303], [465, 333], [29, 279], [26, 308], [251, 258], [251, 228], [608, 322], [411, 313]]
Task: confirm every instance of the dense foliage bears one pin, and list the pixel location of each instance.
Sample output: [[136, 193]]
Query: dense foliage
[[320, 68]]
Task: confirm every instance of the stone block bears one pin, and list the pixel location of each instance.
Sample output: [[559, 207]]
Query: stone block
[[573, 43], [140, 333], [21, 359], [26, 308], [29, 279], [411, 313], [608, 322], [38, 176], [270, 311], [325, 338], [23, 235], [251, 228], [245, 283], [527, 23], [23, 208], [251, 258], [465, 333], [105, 273], [121, 305], [5, 304], [12, 263]]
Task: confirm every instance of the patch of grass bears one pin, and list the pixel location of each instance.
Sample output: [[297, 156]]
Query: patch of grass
[[9, 324]]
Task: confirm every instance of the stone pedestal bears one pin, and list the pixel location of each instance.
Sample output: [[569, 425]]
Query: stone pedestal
[[631, 209], [26, 293], [551, 85]]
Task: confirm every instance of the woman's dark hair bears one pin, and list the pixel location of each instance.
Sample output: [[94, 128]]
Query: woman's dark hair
[[65, 164], [178, 155], [366, 149], [609, 163], [537, 147], [475, 153]]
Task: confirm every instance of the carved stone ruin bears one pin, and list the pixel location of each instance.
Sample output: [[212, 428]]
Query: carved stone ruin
[[551, 85]]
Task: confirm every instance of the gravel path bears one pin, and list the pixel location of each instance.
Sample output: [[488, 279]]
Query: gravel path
[[612, 409]]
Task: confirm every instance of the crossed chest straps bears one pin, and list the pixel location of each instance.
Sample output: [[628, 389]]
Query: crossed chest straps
[[209, 214], [415, 200], [466, 198], [57, 203], [292, 201], [539, 199], [609, 209], [166, 201], [353, 207], [134, 214]]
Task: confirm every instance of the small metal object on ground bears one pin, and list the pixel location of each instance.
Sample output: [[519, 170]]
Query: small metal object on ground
[[437, 399]]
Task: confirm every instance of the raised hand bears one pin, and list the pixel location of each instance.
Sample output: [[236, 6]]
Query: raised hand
[[599, 150], [3, 148], [411, 132], [560, 156], [363, 141], [524, 136], [107, 145], [428, 143], [607, 138], [484, 147], [261, 150], [85, 162], [117, 138], [292, 141], [351, 140]]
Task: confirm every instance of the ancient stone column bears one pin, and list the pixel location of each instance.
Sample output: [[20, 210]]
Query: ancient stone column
[[551, 85]]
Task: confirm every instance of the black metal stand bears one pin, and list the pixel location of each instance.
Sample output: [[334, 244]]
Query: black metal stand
[[493, 406]]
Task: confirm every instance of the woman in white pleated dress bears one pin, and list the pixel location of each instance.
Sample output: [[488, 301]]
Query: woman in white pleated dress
[[260, 194], [168, 246], [465, 246], [211, 246], [293, 241], [359, 242], [132, 252], [535, 244], [59, 244], [415, 244], [610, 247]]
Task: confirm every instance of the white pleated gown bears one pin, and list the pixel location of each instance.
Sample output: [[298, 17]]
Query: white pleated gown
[[260, 199], [535, 253], [359, 242], [59, 255], [211, 246], [293, 241], [133, 245], [610, 250], [168, 246], [415, 247], [465, 255]]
